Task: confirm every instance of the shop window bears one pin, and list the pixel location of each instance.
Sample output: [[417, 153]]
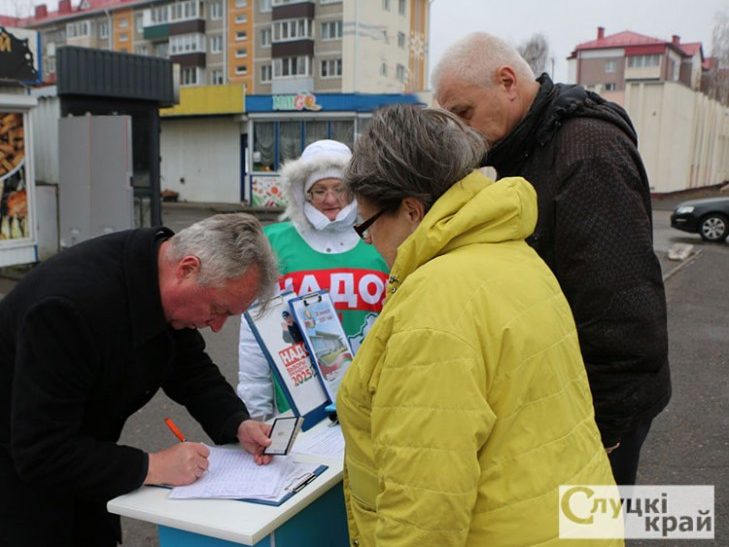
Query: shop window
[[263, 146], [343, 131], [289, 142], [315, 131]]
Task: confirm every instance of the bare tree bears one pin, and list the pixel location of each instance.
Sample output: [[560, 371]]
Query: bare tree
[[535, 51], [718, 78]]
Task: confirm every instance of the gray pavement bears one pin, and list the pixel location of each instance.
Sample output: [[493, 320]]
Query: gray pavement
[[688, 444]]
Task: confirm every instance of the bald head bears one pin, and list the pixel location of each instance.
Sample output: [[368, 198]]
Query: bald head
[[486, 83]]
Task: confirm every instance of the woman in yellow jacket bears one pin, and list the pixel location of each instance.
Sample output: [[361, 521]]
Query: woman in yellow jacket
[[468, 405]]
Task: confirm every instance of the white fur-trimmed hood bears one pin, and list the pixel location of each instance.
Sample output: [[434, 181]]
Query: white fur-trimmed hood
[[294, 175]]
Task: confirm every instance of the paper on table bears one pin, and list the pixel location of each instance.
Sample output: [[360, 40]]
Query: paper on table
[[325, 441], [232, 473]]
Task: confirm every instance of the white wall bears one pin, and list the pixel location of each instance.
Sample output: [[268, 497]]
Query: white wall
[[683, 136], [364, 48], [205, 152]]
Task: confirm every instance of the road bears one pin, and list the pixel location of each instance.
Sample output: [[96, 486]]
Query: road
[[688, 444]]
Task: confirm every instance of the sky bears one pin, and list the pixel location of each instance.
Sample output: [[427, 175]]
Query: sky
[[565, 23]]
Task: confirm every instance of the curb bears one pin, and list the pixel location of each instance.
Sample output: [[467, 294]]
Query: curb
[[682, 265]]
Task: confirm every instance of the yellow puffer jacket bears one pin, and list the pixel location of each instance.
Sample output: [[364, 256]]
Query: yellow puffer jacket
[[468, 404]]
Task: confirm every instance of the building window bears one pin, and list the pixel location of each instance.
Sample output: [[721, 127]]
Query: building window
[[330, 1], [240, 19], [241, 52], [139, 23], [123, 37], [241, 35], [401, 7], [187, 43], [189, 76], [161, 50], [331, 68], [241, 70], [610, 86], [401, 40], [286, 67], [216, 10], [123, 23], [181, 11], [284, 2], [216, 77], [264, 6], [610, 66], [644, 61], [241, 3], [103, 29], [141, 49], [50, 66], [331, 30], [383, 69], [400, 73], [385, 36], [79, 29], [291, 29], [216, 43], [266, 73], [266, 37], [386, 5], [159, 15]]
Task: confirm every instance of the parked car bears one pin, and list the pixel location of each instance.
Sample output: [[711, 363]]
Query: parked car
[[707, 217]]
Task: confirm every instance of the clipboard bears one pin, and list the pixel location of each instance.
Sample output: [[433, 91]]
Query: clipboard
[[296, 486], [288, 359], [325, 339]]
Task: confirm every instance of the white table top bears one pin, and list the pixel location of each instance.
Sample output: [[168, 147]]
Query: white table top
[[230, 520]]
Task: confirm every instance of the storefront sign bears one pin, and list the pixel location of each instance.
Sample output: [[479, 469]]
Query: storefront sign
[[302, 101], [17, 60]]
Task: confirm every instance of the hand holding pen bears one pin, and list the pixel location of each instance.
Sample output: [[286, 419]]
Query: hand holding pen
[[179, 464]]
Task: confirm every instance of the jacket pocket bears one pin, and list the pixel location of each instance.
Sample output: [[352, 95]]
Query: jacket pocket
[[362, 485]]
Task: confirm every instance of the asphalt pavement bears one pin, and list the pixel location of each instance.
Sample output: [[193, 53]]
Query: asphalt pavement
[[689, 441]]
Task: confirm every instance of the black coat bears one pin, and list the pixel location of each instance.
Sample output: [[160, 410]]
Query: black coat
[[83, 345], [595, 233]]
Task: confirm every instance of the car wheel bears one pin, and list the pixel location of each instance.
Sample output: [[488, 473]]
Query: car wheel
[[714, 227]]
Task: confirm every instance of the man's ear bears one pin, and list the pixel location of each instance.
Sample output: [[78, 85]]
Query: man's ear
[[187, 266], [414, 209], [506, 78]]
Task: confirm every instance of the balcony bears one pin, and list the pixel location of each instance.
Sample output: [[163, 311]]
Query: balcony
[[173, 19]]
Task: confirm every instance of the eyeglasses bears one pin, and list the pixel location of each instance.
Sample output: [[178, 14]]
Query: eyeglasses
[[320, 194], [364, 226]]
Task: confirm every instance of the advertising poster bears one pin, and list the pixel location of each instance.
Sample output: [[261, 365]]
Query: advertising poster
[[283, 344], [14, 221], [325, 338]]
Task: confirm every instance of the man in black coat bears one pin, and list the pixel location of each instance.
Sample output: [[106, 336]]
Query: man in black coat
[[594, 228], [86, 339]]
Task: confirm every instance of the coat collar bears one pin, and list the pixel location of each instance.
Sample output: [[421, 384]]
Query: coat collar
[[474, 210], [552, 106], [142, 283]]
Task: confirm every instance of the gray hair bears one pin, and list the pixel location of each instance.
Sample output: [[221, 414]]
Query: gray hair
[[475, 59], [227, 245], [410, 151]]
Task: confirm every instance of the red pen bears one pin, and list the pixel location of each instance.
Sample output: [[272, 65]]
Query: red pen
[[175, 430]]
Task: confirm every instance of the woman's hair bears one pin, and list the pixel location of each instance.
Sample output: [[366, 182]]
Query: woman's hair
[[227, 245], [411, 151], [475, 59]]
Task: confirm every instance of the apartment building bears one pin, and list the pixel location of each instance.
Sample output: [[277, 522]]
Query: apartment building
[[269, 46], [606, 63], [259, 79]]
